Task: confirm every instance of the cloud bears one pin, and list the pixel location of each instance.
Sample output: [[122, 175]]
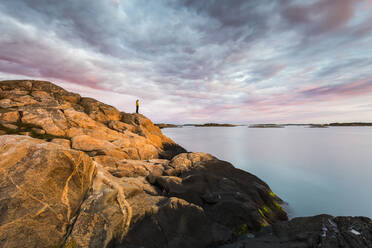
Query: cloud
[[320, 16], [355, 88], [199, 60]]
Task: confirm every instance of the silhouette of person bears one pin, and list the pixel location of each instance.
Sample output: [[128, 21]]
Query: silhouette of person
[[137, 106]]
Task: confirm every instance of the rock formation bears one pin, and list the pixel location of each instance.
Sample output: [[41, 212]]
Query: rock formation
[[79, 173], [318, 231]]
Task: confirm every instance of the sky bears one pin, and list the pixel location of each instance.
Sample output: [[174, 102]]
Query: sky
[[197, 61]]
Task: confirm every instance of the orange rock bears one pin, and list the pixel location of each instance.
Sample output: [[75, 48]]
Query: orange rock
[[43, 186]]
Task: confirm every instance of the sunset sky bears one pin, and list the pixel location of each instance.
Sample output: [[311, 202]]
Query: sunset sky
[[193, 61]]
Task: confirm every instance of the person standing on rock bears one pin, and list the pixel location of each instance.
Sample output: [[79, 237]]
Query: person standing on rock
[[137, 106]]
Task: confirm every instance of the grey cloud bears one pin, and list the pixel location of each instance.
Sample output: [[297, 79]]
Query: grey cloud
[[146, 31], [265, 71], [233, 21], [174, 50], [345, 89], [230, 13], [325, 25], [341, 66], [320, 16]]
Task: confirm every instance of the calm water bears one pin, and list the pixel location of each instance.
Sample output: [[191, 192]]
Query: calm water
[[315, 170]]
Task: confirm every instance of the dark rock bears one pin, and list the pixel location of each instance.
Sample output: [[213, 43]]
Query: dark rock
[[170, 150], [176, 223], [309, 232], [214, 185]]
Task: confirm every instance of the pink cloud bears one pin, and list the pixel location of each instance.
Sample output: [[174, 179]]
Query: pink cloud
[[308, 95], [322, 16], [359, 87]]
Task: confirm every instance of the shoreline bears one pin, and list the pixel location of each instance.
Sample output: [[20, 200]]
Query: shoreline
[[97, 168], [273, 126], [269, 125], [240, 163]]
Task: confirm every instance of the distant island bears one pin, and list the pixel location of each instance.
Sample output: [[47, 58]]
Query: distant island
[[271, 125], [335, 124], [342, 124], [318, 125], [214, 125], [266, 126], [351, 124], [164, 125], [311, 125]]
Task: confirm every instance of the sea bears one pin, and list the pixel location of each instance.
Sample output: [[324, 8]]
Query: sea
[[314, 170]]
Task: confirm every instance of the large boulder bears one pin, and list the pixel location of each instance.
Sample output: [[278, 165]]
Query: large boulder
[[42, 187]]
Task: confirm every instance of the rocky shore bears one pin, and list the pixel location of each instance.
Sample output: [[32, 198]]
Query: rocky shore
[[79, 173]]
